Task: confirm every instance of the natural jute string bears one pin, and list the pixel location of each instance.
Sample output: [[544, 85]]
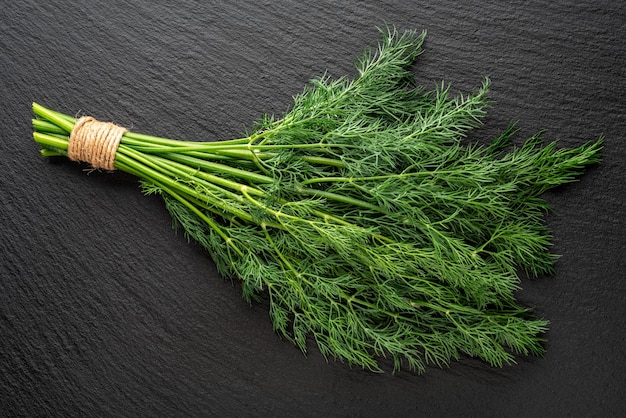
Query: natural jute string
[[94, 142]]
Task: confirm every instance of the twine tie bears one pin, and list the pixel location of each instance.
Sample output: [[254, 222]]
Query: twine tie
[[94, 142]]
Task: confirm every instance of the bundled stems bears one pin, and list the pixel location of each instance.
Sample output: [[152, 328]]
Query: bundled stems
[[363, 215]]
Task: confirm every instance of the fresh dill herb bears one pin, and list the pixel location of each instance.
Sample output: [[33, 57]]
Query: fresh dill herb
[[363, 216]]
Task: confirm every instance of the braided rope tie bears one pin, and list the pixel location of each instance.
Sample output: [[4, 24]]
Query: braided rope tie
[[95, 142]]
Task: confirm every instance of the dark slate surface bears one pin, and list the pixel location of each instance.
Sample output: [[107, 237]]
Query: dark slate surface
[[105, 311]]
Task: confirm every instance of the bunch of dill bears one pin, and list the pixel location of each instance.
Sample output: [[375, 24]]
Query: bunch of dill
[[363, 217]]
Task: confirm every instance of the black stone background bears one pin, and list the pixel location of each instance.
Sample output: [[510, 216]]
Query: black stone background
[[106, 311]]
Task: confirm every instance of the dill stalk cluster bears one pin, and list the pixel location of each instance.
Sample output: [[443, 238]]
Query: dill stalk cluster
[[363, 217]]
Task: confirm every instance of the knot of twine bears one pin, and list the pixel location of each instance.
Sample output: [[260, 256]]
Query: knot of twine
[[94, 142]]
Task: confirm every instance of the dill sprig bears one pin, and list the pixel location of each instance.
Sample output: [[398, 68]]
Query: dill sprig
[[363, 216]]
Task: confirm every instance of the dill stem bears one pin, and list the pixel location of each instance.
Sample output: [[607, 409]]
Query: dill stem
[[63, 121], [203, 164], [340, 198], [340, 179], [50, 140], [144, 139]]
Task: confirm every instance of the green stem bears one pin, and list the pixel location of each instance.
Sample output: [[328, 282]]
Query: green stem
[[63, 121], [406, 174], [219, 168], [143, 139], [324, 161], [341, 199], [51, 141], [41, 125]]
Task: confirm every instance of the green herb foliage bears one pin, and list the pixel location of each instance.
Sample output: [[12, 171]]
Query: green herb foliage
[[363, 216]]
